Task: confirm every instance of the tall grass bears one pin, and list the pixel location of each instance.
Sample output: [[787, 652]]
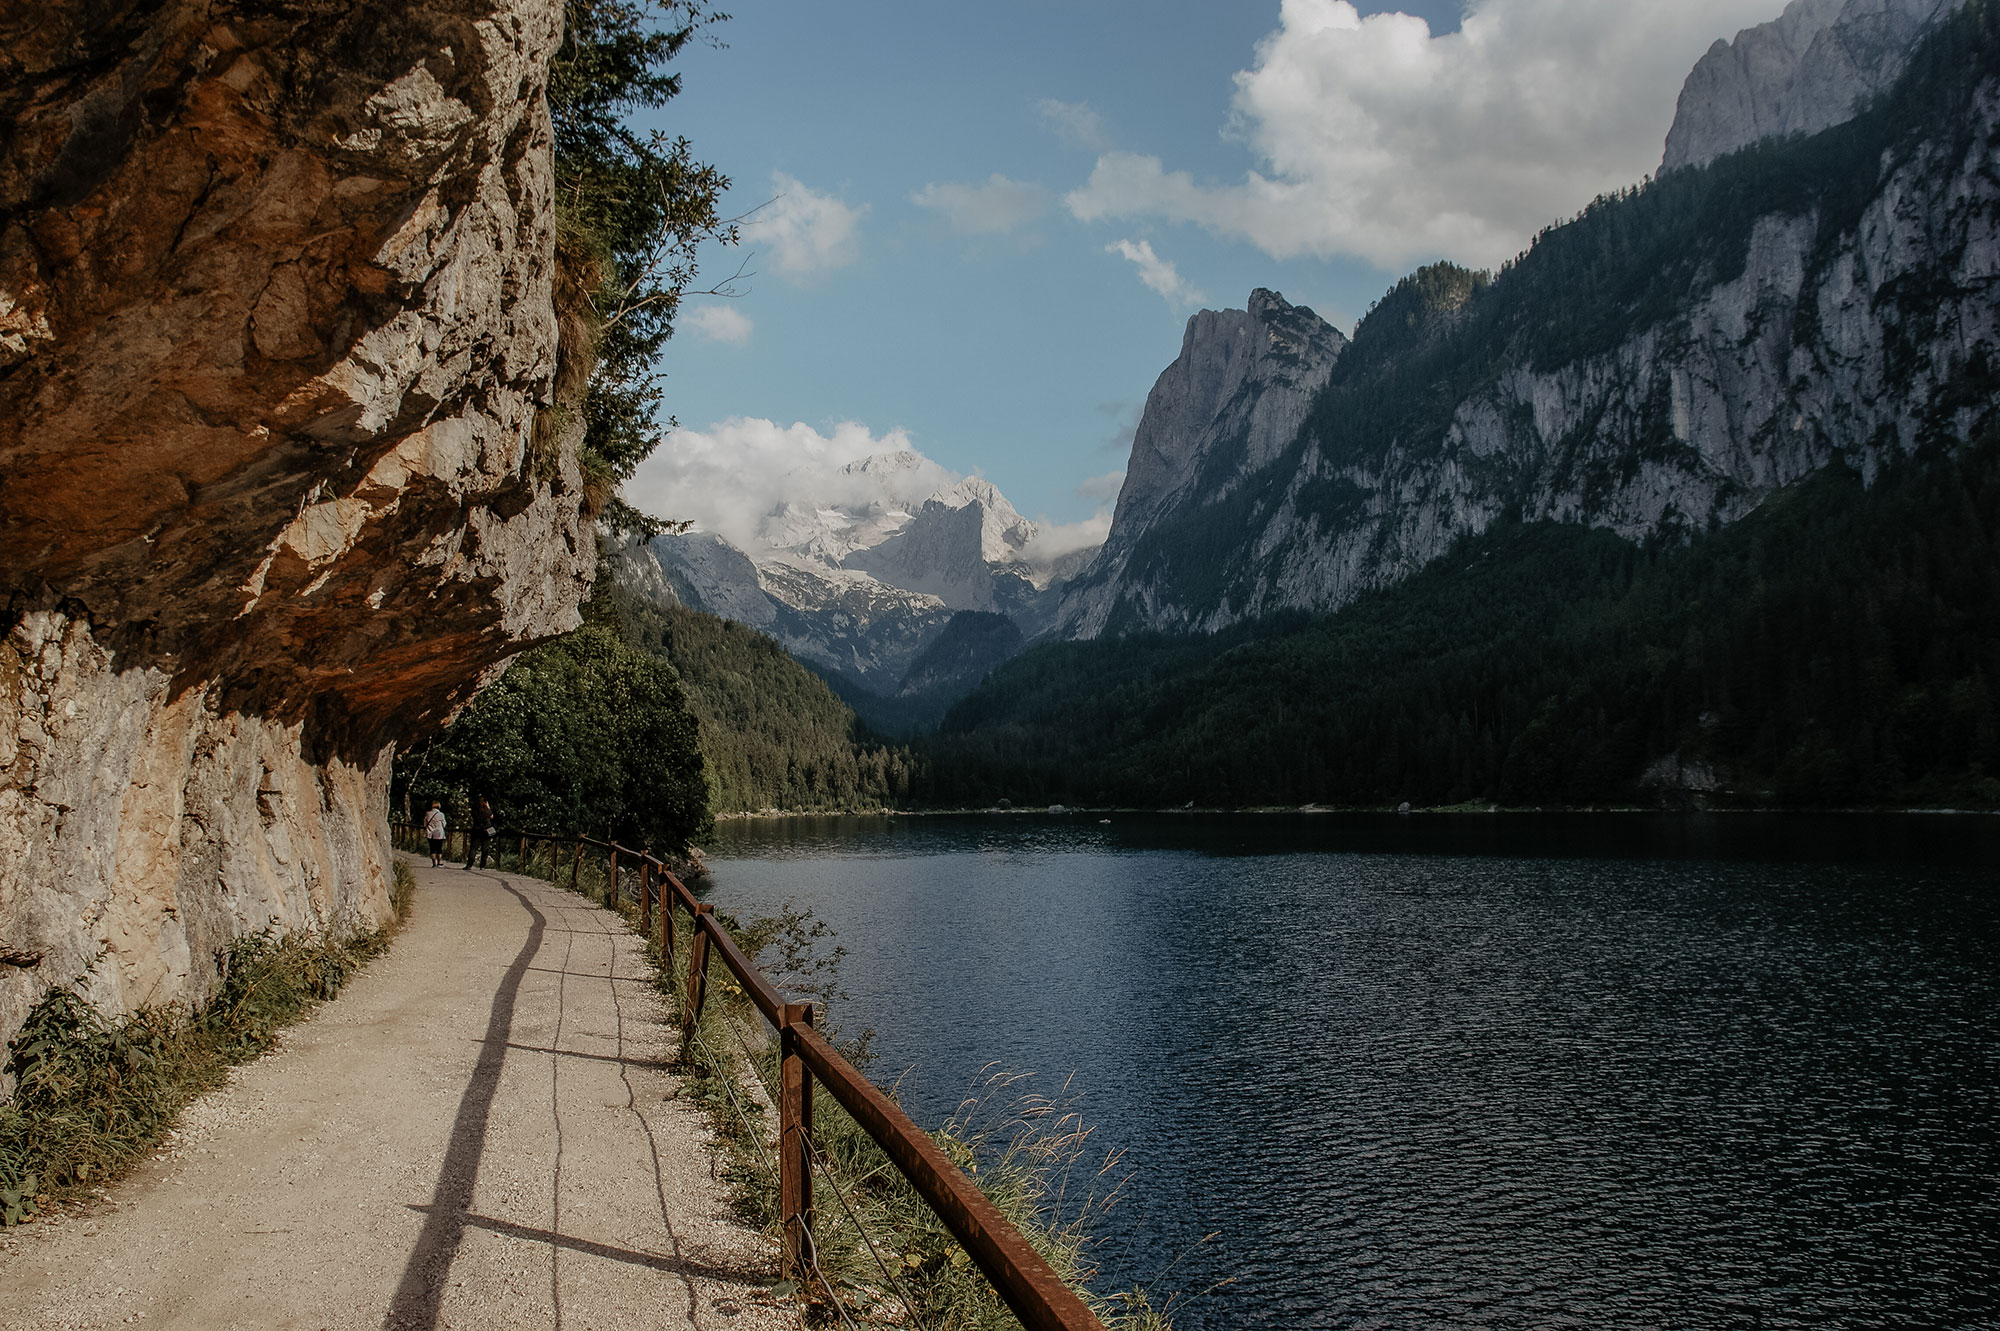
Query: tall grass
[[882, 1253], [92, 1096]]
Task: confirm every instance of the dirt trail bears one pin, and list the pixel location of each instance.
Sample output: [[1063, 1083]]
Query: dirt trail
[[477, 1133]]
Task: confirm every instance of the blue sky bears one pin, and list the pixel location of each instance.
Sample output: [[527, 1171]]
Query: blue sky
[[991, 222]]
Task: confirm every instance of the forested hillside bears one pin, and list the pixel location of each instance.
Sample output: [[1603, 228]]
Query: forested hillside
[[1840, 646], [774, 735]]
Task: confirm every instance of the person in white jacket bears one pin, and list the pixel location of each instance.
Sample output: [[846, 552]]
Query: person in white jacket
[[434, 829]]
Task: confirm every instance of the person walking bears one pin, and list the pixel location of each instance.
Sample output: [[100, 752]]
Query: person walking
[[434, 829], [482, 832]]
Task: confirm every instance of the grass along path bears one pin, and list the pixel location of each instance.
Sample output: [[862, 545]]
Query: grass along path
[[479, 1133]]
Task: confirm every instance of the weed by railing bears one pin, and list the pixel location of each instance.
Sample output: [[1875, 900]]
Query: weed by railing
[[807, 1062]]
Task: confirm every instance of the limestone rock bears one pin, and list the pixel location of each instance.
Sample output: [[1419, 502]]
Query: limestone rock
[[1231, 402], [959, 546], [1807, 70], [276, 327]]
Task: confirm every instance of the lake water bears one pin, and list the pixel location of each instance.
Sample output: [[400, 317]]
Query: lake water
[[1463, 1071]]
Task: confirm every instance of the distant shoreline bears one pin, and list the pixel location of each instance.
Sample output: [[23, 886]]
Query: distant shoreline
[[1078, 810]]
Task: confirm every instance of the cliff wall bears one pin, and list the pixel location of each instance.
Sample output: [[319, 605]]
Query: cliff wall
[[1810, 68], [1228, 407], [1658, 366], [278, 482]]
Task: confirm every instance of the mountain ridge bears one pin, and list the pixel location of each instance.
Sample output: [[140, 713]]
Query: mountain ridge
[[1659, 364], [862, 588]]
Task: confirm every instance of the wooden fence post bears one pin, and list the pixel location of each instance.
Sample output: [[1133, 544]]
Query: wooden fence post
[[697, 969], [522, 867], [666, 928], [795, 1117], [576, 865], [611, 891], [645, 898]]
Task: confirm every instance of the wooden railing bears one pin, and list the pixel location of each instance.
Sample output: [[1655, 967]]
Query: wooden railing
[[1024, 1281]]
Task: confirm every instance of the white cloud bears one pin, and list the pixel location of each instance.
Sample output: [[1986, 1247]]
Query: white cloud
[[719, 323], [808, 232], [1102, 489], [1076, 123], [998, 205], [1053, 540], [1156, 272], [1376, 139], [729, 477]]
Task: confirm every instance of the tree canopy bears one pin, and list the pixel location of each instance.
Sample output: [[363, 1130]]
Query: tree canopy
[[633, 208], [583, 734]]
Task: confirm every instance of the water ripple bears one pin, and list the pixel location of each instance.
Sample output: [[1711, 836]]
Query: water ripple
[[1460, 1089]]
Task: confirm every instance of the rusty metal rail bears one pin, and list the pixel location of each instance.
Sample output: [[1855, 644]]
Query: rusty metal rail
[[1025, 1282]]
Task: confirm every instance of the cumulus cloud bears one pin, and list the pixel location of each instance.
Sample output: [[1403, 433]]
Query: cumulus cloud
[[1156, 272], [1054, 540], [808, 232], [1076, 123], [1103, 489], [719, 323], [1376, 139], [997, 206], [731, 476]]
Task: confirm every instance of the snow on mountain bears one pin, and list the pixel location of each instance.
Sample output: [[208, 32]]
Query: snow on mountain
[[861, 574]]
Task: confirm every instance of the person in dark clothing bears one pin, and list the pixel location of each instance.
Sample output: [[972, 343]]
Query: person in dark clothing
[[482, 832]]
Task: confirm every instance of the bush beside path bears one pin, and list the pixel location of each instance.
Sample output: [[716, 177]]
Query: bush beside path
[[480, 1132]]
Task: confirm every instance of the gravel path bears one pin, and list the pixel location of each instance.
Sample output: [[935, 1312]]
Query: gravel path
[[477, 1133]]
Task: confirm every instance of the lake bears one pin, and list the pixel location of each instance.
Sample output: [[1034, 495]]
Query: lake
[[1462, 1070]]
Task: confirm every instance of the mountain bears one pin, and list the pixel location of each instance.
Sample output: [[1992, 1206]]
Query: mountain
[[860, 582], [1657, 367], [772, 734], [1228, 406], [1807, 70], [966, 546], [1839, 647]]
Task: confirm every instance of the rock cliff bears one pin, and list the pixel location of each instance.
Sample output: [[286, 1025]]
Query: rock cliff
[[277, 478], [1227, 407], [963, 545], [1807, 70], [1659, 365]]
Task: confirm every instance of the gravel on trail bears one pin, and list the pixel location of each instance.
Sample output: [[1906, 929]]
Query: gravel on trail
[[479, 1132]]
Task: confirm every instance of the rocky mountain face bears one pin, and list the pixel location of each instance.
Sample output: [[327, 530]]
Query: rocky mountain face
[[1659, 365], [277, 330], [863, 588], [1807, 70], [964, 545], [1226, 409]]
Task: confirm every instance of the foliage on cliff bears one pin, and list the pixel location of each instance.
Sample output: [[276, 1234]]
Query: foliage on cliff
[[632, 209], [772, 732], [1841, 646]]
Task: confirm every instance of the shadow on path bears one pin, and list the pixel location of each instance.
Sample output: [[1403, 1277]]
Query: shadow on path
[[652, 1260], [418, 1296]]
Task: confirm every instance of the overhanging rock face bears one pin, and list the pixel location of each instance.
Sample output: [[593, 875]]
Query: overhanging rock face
[[276, 331]]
